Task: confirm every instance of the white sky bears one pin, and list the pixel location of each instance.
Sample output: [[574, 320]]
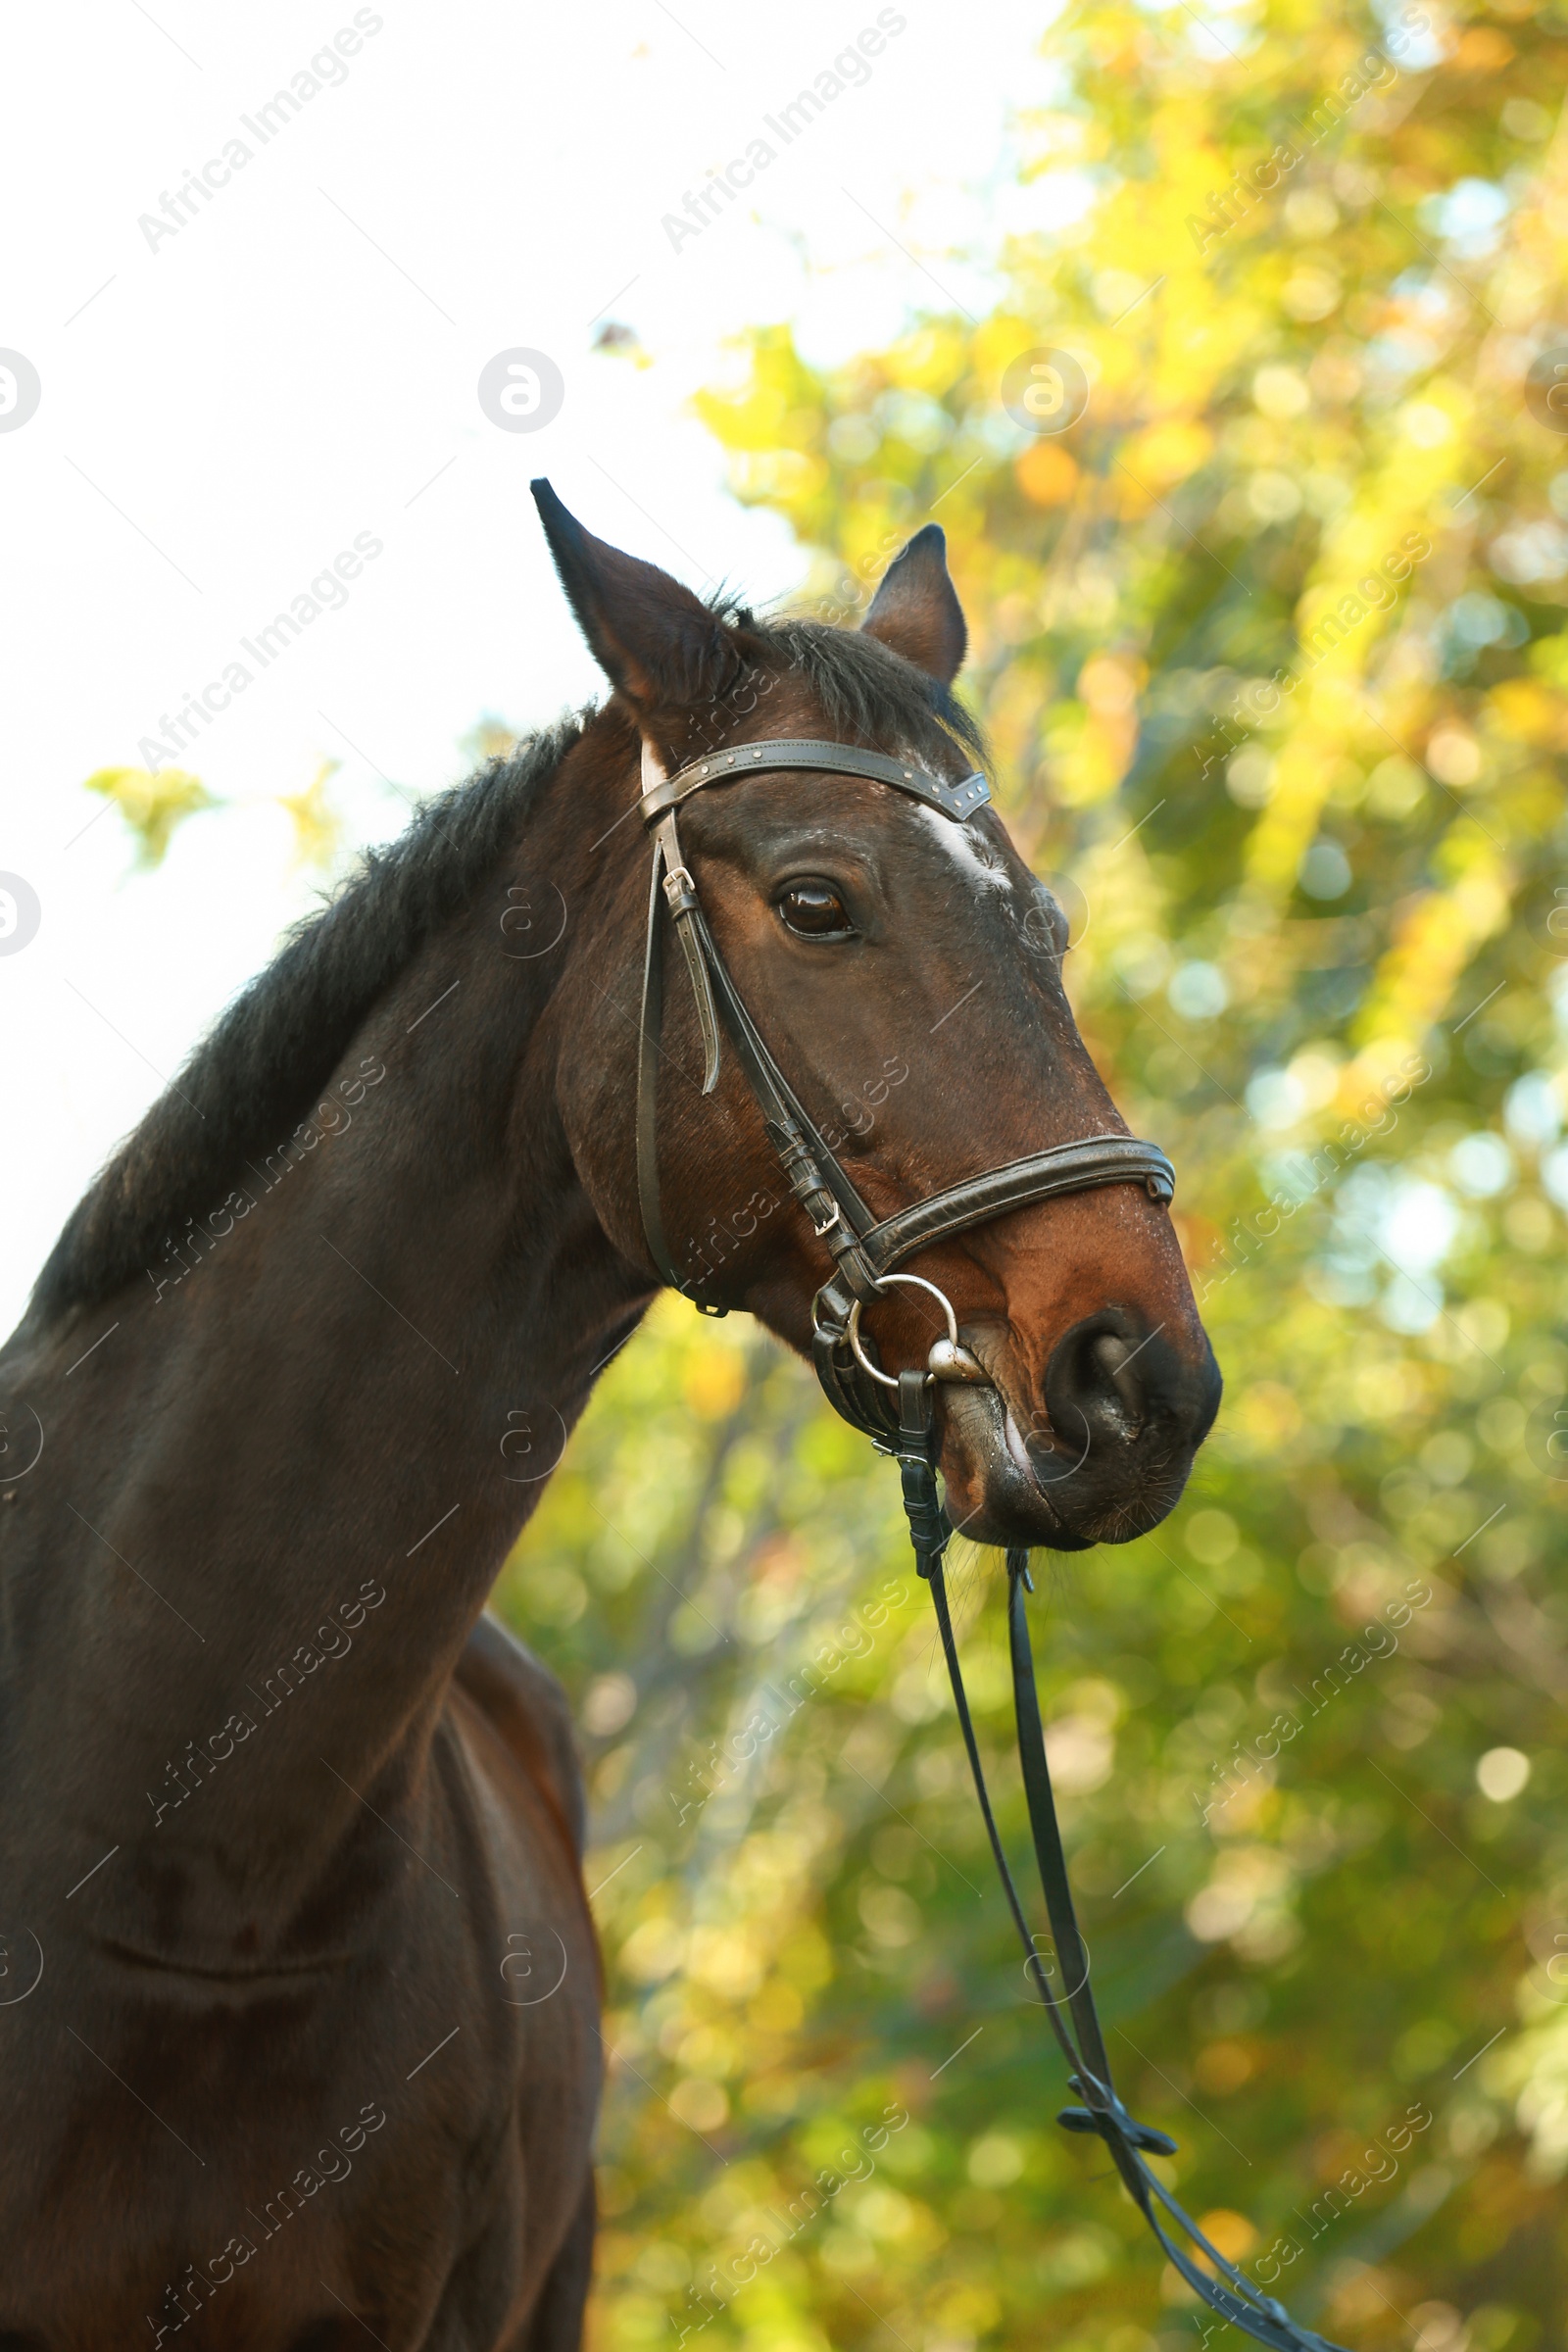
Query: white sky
[[223, 415]]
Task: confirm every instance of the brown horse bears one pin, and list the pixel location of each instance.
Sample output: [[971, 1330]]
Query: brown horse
[[299, 2002]]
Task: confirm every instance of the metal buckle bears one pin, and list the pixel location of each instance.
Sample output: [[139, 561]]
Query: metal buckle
[[960, 801], [828, 1222]]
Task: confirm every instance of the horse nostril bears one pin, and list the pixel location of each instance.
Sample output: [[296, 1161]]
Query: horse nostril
[[1118, 1380], [1095, 1388]]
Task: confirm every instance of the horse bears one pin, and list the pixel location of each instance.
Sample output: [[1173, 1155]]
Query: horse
[[301, 1993]]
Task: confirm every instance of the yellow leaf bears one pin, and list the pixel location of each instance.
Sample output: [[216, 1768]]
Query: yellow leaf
[[153, 802], [316, 825], [1046, 474]]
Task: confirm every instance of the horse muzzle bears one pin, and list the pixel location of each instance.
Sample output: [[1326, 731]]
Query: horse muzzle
[[1100, 1457]]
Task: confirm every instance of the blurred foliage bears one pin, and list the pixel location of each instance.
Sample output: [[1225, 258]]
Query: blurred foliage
[[491, 738], [154, 803], [317, 826], [1318, 887]]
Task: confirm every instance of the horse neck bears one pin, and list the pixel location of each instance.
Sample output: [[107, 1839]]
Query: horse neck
[[313, 1450]]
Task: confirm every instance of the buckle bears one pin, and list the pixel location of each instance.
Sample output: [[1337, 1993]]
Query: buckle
[[1115, 2120]]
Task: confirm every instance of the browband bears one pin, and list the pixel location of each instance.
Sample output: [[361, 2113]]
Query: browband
[[956, 801]]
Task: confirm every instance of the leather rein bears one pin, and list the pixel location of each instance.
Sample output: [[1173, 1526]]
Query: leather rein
[[897, 1411]]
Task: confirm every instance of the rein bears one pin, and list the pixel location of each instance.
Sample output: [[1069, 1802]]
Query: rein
[[897, 1413]]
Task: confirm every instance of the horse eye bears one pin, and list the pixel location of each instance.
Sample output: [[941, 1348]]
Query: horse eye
[[814, 910]]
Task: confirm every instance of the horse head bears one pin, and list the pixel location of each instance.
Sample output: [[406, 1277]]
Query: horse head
[[902, 970]]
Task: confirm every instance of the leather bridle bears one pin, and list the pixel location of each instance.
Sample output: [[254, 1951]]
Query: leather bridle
[[864, 1249], [897, 1410]]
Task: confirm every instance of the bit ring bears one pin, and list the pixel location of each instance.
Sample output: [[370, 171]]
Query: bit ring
[[920, 1283]]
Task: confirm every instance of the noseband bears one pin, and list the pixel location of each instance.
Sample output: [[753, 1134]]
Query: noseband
[[866, 1253]]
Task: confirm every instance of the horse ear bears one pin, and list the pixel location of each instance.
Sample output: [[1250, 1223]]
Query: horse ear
[[916, 611], [659, 645]]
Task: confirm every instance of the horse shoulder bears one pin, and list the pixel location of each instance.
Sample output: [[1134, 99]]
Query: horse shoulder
[[526, 1707]]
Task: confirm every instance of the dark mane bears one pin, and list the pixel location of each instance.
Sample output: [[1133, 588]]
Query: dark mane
[[251, 1080], [872, 694]]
